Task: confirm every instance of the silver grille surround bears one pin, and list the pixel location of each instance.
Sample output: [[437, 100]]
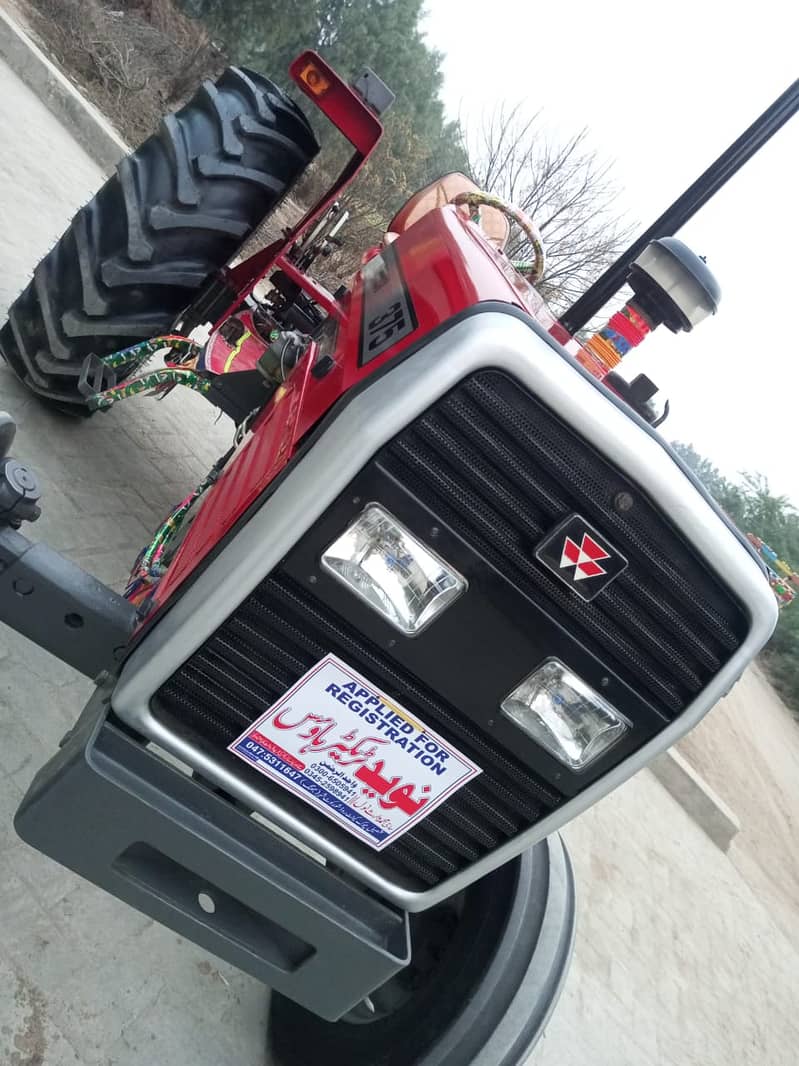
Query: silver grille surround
[[365, 423]]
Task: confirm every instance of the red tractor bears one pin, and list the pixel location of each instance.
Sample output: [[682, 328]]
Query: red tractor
[[446, 589]]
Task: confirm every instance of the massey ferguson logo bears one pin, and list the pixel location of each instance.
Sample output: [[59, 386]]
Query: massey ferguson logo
[[580, 557], [584, 557]]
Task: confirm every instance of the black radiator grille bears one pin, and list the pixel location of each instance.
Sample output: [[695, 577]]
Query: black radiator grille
[[274, 637], [502, 470]]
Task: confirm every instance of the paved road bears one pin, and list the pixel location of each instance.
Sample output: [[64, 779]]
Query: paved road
[[677, 960]]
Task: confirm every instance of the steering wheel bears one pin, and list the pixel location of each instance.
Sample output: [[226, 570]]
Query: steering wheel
[[532, 271]]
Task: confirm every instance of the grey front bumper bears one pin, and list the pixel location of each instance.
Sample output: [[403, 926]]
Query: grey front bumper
[[113, 811], [119, 815]]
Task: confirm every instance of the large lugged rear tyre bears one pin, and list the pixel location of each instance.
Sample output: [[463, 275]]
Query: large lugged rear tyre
[[176, 210]]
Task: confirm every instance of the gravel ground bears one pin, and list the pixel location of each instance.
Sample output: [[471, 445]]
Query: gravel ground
[[684, 955]]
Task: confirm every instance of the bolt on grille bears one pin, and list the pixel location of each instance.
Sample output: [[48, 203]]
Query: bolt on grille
[[500, 470], [272, 639]]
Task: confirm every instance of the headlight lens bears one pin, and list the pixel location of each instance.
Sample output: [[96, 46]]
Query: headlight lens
[[389, 568], [564, 715]]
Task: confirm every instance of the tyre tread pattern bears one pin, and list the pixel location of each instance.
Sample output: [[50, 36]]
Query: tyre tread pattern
[[140, 250], [177, 209], [186, 191]]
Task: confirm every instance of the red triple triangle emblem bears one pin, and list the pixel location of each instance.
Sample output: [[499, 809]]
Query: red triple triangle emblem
[[584, 557]]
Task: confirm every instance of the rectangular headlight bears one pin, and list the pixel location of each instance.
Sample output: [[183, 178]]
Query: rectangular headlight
[[564, 715], [393, 571]]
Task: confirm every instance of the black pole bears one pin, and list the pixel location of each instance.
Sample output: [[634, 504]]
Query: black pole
[[685, 206]]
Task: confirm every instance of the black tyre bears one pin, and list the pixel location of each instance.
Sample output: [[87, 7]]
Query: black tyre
[[176, 210], [487, 970]]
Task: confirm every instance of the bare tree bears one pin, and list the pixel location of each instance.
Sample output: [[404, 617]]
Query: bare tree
[[563, 186]]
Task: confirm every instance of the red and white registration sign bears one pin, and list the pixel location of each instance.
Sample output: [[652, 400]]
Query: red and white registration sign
[[340, 743]]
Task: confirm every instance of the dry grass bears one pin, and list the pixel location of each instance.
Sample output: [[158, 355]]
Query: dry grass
[[135, 59], [139, 59]]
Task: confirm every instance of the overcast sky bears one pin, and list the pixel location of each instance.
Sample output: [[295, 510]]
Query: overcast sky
[[663, 107]]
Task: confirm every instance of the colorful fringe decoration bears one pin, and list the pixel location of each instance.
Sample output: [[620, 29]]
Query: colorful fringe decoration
[[524, 266], [624, 331], [155, 379], [144, 350], [148, 569]]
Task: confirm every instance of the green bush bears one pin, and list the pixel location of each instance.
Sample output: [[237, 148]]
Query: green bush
[[755, 509]]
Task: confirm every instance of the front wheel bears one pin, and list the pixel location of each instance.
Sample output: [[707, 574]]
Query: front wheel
[[487, 969], [176, 211]]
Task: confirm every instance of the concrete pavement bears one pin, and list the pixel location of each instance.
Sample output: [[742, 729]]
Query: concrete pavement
[[678, 960]]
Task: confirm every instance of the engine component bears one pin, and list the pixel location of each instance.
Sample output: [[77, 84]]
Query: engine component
[[282, 355]]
